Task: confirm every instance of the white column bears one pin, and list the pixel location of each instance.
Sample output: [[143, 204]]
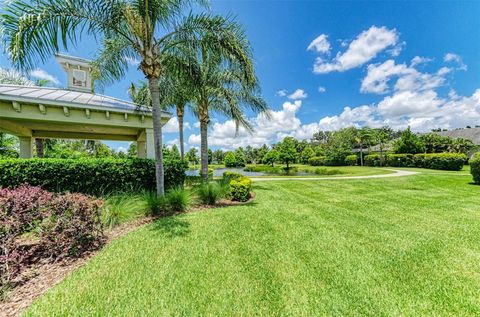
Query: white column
[[150, 144], [26, 147], [141, 150]]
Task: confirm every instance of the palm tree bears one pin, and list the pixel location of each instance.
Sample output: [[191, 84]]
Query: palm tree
[[223, 82], [130, 29], [363, 137]]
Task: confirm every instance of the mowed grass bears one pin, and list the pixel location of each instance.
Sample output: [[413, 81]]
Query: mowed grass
[[404, 246]]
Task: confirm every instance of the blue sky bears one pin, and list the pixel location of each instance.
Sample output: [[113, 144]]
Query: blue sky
[[328, 65]]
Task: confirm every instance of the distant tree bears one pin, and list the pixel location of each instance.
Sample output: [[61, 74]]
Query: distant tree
[[230, 160], [210, 156], [271, 157], [191, 156], [287, 151], [409, 143], [132, 150], [218, 156], [307, 153], [462, 145], [240, 159], [175, 153], [435, 143], [363, 137], [8, 145]]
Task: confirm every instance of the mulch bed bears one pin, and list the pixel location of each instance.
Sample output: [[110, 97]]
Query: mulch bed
[[47, 275]]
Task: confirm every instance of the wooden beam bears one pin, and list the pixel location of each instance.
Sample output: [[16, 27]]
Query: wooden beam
[[107, 115], [83, 136], [14, 128], [66, 111], [87, 113], [125, 117]]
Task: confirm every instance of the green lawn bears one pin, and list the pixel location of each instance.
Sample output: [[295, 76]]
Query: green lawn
[[404, 246]]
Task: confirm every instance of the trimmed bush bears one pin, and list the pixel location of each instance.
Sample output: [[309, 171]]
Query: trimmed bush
[[230, 160], [231, 175], [240, 188], [400, 160], [351, 160], [89, 176], [475, 167], [373, 160], [317, 161], [440, 161]]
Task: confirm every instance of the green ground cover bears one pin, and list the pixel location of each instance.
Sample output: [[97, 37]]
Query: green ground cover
[[380, 247]]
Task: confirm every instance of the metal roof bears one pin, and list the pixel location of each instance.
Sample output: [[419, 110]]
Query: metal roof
[[69, 98], [472, 134]]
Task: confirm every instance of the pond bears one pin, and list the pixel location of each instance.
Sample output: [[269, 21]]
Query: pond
[[219, 172]]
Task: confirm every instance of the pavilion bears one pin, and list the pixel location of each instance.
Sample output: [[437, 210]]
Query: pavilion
[[76, 112]]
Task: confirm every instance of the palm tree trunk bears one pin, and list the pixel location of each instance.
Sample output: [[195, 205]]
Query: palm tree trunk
[[204, 145], [39, 147], [157, 134], [180, 114], [361, 155]]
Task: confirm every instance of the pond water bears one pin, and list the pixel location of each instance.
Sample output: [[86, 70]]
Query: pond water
[[219, 172]]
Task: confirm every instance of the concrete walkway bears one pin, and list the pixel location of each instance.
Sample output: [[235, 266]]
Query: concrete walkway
[[396, 173]]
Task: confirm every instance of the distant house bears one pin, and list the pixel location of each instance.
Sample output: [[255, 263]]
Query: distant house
[[472, 134]]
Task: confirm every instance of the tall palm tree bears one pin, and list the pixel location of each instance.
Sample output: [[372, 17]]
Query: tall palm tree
[[130, 29], [223, 82]]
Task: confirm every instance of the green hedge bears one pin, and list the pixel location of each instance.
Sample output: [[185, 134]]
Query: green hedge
[[400, 160], [317, 161], [475, 167], [373, 160], [89, 176], [239, 189], [351, 160], [231, 175], [440, 161]]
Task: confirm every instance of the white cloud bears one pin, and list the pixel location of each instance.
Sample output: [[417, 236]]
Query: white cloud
[[321, 89], [122, 149], [132, 61], [418, 60], [172, 126], [41, 74], [452, 57], [282, 93], [379, 76], [361, 50], [298, 94], [320, 44]]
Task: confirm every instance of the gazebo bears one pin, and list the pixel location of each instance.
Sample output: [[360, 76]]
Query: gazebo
[[76, 112]]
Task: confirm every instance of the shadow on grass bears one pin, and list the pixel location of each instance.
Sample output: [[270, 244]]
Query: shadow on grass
[[172, 226]]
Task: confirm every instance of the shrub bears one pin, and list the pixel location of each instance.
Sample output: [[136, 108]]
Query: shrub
[[178, 199], [21, 210], [351, 160], [156, 205], [441, 161], [475, 168], [209, 193], [122, 207], [317, 161], [408, 142], [73, 226], [324, 171], [230, 160], [89, 176], [400, 160], [374, 160], [231, 175], [240, 189]]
